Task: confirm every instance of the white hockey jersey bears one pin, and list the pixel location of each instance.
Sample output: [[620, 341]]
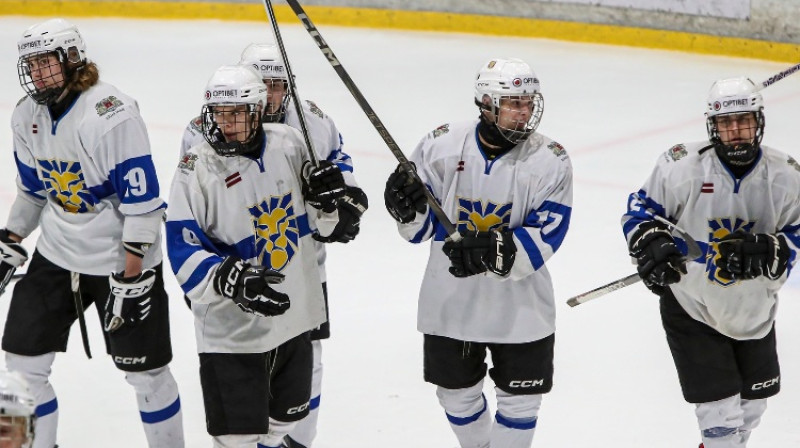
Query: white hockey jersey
[[527, 190], [698, 192], [324, 136], [254, 210], [88, 180]]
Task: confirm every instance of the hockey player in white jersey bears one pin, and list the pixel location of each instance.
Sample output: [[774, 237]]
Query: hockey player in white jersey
[[86, 179], [17, 412], [508, 190], [327, 141], [240, 241], [738, 199]]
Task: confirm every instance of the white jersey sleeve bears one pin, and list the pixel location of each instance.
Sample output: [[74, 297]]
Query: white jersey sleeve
[[192, 135], [691, 187]]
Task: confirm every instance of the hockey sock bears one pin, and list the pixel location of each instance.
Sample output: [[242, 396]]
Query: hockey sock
[[305, 430], [159, 406], [753, 410], [720, 421], [468, 414], [515, 421], [36, 371], [277, 431]]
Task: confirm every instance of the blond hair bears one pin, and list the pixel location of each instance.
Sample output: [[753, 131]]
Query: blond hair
[[84, 77]]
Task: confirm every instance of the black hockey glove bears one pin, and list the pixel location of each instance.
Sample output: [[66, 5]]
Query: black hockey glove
[[12, 256], [502, 252], [351, 207], [323, 186], [660, 262], [128, 301], [248, 286], [744, 256], [404, 196], [467, 254]]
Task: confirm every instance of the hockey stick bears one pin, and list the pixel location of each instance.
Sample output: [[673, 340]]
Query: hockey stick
[[778, 76], [694, 251], [373, 117], [312, 155], [76, 295]]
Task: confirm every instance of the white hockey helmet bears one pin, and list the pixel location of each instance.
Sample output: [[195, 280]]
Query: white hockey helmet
[[56, 36], [734, 96], [501, 79], [266, 59], [17, 410], [233, 85]]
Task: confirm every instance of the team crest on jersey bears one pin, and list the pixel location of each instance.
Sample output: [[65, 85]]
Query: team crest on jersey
[[677, 152], [187, 162], [312, 106], [441, 130], [557, 149], [107, 105], [793, 163], [477, 215], [276, 231], [197, 123], [719, 229], [65, 184]]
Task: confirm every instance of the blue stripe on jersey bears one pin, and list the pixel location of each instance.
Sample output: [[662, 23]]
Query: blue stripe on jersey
[[516, 423], [162, 415], [314, 402], [30, 180], [463, 421], [47, 408], [135, 180], [430, 222], [639, 209], [552, 213], [341, 159], [179, 249], [534, 254], [102, 191]]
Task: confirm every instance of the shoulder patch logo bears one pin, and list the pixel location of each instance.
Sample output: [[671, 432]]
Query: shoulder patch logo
[[312, 106], [557, 149], [441, 130], [677, 152], [793, 163], [187, 162], [21, 100], [107, 105], [197, 123]]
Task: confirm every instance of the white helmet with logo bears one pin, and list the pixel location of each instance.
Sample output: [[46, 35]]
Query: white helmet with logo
[[56, 36], [266, 59], [509, 78], [17, 409], [233, 85], [729, 97]]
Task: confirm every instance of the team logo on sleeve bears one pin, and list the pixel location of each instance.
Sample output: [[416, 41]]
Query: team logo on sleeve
[[197, 123], [677, 152], [312, 106], [107, 105], [719, 229], [441, 130], [477, 215], [276, 232], [187, 162], [557, 149], [65, 184]]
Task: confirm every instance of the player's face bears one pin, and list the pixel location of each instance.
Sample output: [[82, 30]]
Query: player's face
[[45, 71], [736, 129], [515, 112], [12, 433], [276, 90], [235, 122]]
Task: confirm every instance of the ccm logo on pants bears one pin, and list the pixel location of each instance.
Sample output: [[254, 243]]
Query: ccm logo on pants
[[526, 383], [766, 384], [130, 360], [297, 409]]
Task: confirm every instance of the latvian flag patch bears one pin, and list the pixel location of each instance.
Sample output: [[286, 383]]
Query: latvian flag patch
[[35, 129], [233, 179], [708, 187]]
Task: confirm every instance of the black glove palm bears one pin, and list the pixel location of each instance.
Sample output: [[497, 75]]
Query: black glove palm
[[744, 256], [12, 256], [659, 261], [248, 286], [323, 186], [351, 207], [404, 196]]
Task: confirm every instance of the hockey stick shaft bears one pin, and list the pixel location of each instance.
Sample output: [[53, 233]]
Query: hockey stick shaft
[[778, 76], [373, 117], [76, 295], [312, 155], [694, 251]]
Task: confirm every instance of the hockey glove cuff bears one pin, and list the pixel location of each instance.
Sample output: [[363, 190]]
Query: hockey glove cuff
[[129, 301], [502, 251], [744, 256], [12, 256], [351, 207], [248, 286], [323, 186], [404, 196], [659, 261], [467, 254]]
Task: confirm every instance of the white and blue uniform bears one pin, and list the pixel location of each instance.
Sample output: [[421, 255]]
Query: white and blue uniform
[[527, 190], [701, 196]]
